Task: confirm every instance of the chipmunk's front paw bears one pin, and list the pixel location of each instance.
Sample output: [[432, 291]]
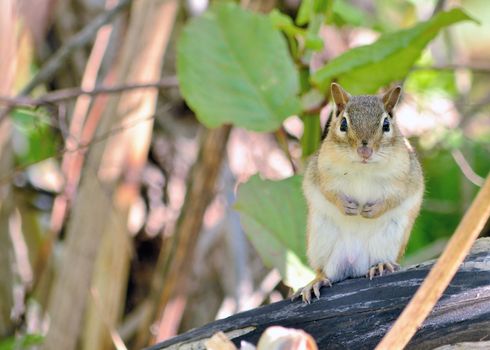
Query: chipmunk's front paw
[[382, 268], [350, 205], [372, 209], [315, 285]]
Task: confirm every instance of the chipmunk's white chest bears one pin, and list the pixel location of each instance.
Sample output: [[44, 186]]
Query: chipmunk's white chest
[[362, 184], [346, 246]]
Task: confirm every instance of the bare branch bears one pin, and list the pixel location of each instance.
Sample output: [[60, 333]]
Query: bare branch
[[466, 168], [59, 58], [80, 39], [475, 108], [71, 93], [80, 147]]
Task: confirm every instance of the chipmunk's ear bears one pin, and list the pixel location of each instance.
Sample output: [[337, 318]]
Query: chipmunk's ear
[[340, 97], [390, 99]]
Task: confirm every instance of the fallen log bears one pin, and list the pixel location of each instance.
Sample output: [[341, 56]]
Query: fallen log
[[356, 313]]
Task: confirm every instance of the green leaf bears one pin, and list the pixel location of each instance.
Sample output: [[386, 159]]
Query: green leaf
[[453, 139], [310, 8], [343, 13], [310, 141], [36, 140], [304, 13], [23, 342], [285, 23], [367, 68], [313, 42], [273, 215], [428, 83], [234, 67]]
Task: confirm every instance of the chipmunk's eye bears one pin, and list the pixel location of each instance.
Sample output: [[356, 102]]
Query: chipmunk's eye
[[386, 125], [343, 125]]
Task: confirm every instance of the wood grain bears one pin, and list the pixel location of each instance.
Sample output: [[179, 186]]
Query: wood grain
[[356, 313], [441, 274]]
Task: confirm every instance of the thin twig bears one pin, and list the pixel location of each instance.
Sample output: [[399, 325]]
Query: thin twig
[[80, 147], [475, 108], [58, 59], [466, 168], [112, 132], [80, 39], [71, 93]]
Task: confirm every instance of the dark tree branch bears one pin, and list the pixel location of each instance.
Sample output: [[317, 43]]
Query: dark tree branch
[[355, 314]]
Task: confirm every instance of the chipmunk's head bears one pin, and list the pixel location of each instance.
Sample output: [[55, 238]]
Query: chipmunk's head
[[363, 128]]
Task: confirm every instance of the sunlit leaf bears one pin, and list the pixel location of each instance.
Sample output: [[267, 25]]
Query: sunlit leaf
[[34, 137], [234, 67], [273, 215], [429, 83], [367, 68]]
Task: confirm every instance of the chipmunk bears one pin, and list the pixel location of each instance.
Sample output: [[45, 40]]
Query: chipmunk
[[364, 188]]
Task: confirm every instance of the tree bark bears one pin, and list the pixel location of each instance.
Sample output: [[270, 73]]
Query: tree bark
[[356, 313]]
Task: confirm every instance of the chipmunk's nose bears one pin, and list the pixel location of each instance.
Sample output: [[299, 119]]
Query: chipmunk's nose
[[364, 151]]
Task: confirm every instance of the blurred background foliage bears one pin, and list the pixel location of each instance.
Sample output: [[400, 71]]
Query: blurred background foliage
[[119, 212]]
